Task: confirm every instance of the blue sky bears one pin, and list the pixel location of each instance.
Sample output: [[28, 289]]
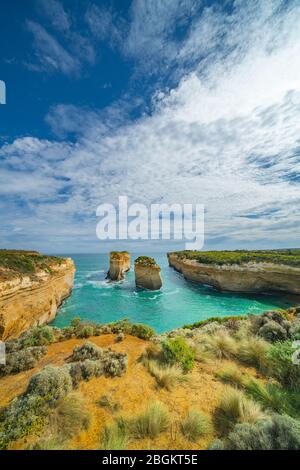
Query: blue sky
[[175, 101]]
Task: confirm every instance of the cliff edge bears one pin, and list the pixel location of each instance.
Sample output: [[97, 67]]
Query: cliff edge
[[32, 287], [268, 271]]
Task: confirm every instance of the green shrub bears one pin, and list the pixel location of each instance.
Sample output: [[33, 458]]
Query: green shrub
[[279, 433], [195, 425], [281, 367], [253, 352], [150, 423], [38, 336], [75, 322], [234, 408], [177, 351], [85, 331], [114, 437], [272, 331], [85, 351], [120, 337], [142, 331], [51, 384], [22, 360], [22, 416]]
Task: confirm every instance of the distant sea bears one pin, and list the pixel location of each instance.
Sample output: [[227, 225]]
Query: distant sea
[[179, 302]]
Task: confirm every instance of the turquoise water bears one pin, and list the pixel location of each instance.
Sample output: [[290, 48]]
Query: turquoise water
[[178, 303]]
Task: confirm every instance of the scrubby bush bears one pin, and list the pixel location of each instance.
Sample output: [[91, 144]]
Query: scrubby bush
[[195, 425], [278, 433], [22, 360], [253, 352], [38, 336], [234, 408], [177, 351], [142, 331], [115, 437], [272, 331], [23, 415], [85, 331], [166, 376], [221, 345], [281, 366], [295, 331], [51, 384], [90, 369], [70, 417], [85, 351], [153, 351], [75, 322], [232, 375], [150, 423], [120, 337], [106, 401]]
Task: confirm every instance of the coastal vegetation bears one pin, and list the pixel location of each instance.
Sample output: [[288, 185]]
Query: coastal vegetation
[[26, 262], [222, 384], [288, 257]]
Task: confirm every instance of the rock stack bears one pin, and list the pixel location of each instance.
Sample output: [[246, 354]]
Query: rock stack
[[119, 263], [147, 273]]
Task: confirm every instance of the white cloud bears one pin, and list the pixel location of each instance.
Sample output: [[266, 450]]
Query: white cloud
[[227, 136]]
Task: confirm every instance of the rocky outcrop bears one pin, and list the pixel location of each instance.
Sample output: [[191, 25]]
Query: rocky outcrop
[[119, 263], [147, 273], [248, 277], [28, 300]]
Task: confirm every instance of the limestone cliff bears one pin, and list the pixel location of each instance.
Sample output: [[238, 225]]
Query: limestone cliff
[[32, 298], [147, 273], [119, 263], [247, 277]]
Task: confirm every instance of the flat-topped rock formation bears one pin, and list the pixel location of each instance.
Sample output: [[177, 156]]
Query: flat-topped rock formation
[[32, 287], [147, 273], [241, 271], [119, 264]]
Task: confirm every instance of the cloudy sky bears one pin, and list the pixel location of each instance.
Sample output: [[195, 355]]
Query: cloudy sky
[[164, 101]]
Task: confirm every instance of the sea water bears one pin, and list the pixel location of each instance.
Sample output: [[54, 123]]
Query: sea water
[[179, 302]]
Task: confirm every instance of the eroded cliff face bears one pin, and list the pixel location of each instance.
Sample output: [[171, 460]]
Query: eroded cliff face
[[147, 276], [119, 264], [250, 277], [28, 300]]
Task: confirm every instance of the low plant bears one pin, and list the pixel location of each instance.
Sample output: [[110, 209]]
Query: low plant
[[281, 366], [151, 423], [177, 351], [253, 352], [85, 351], [70, 417], [142, 331], [232, 375], [115, 436], [38, 336], [85, 331], [272, 332], [235, 407], [21, 360], [195, 425], [51, 384], [106, 401], [278, 433], [221, 345], [166, 376]]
